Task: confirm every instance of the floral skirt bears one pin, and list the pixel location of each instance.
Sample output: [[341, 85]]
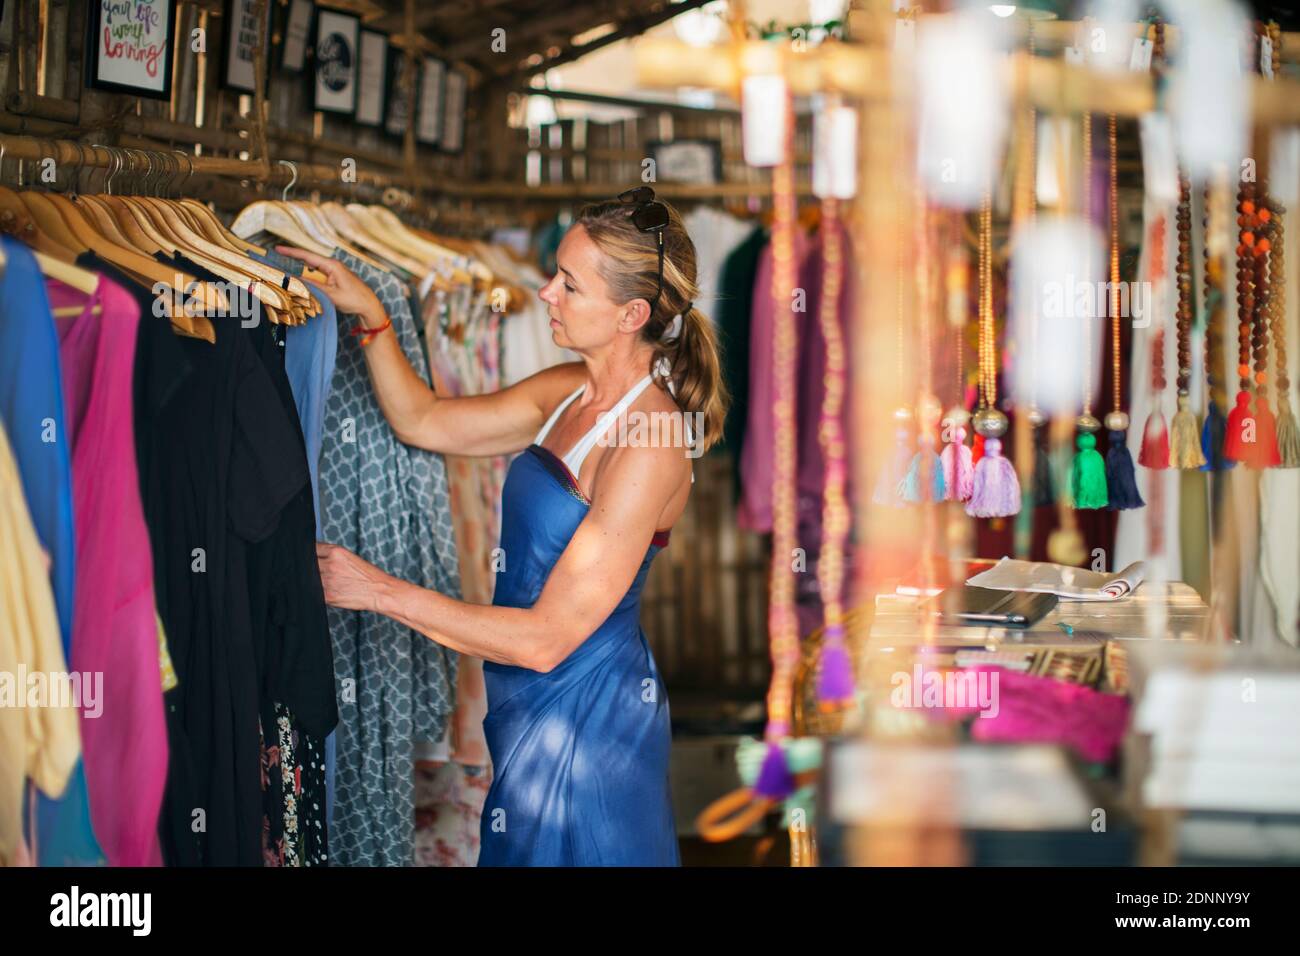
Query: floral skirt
[[294, 831]]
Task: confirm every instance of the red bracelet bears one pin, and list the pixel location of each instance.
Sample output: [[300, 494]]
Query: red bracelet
[[367, 335]]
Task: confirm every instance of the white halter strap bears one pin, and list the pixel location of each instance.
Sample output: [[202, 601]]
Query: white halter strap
[[578, 453]]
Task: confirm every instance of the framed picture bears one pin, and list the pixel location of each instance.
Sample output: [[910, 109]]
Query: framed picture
[[400, 99], [296, 31], [453, 112], [241, 38], [428, 119], [372, 78], [697, 161], [336, 61], [130, 46]]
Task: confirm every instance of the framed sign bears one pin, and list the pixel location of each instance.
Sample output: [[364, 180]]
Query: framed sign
[[453, 112], [130, 44], [400, 99], [336, 61], [296, 30], [428, 119], [372, 78], [697, 161], [241, 37]]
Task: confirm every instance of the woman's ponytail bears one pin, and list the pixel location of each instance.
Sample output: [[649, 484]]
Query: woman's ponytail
[[694, 376]]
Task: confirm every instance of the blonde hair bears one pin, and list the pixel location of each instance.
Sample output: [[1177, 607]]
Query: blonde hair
[[630, 269]]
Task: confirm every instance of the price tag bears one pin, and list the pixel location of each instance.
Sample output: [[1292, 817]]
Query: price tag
[[1140, 58], [1266, 56]]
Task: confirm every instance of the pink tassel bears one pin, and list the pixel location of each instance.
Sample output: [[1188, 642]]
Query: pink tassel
[[958, 467], [996, 490]]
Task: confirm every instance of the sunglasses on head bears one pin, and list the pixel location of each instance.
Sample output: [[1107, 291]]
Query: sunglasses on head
[[649, 215]]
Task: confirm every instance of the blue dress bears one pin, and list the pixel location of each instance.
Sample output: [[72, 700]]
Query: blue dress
[[580, 754]]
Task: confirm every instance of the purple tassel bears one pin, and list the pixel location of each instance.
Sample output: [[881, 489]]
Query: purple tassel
[[774, 779], [996, 490], [886, 491], [958, 467], [835, 682]]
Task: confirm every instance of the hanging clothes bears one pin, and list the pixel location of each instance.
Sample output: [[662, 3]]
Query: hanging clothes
[[810, 390], [759, 451], [715, 235], [228, 502], [114, 625], [40, 744], [309, 358], [388, 503], [32, 412], [732, 316]]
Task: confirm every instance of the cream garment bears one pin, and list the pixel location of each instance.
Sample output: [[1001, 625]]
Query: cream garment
[[37, 742], [1132, 532]]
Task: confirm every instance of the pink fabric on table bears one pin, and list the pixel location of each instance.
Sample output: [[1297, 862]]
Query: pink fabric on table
[[114, 629], [1044, 710]]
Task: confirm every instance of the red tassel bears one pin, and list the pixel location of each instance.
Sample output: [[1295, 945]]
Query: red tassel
[[1266, 451], [1234, 449], [1155, 442], [977, 450]]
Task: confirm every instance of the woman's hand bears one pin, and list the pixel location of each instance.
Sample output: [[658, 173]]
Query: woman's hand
[[347, 292], [349, 581]]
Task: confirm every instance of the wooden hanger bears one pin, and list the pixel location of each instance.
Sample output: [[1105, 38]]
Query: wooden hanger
[[147, 271], [348, 227], [83, 280], [32, 227]]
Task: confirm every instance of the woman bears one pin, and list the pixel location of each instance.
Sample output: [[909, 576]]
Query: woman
[[577, 723]]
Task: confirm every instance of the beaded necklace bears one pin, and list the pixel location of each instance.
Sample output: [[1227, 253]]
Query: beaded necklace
[[1288, 436], [835, 681], [774, 780], [1088, 471], [1121, 484], [1184, 438]]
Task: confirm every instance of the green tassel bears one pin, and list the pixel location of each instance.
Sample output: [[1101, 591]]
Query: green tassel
[[1088, 476]]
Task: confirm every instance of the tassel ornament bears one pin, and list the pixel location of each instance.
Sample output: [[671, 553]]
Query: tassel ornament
[[887, 485], [1288, 438], [1155, 443], [1185, 437], [995, 490], [1088, 473], [1121, 477]]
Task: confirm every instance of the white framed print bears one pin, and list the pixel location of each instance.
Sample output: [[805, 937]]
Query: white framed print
[[241, 39], [296, 31], [428, 118], [372, 78], [453, 112], [130, 46], [336, 61]]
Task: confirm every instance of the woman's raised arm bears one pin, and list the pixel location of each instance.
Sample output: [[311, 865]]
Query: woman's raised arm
[[494, 424]]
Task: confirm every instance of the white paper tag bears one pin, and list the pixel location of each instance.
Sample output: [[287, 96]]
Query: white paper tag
[[1159, 163], [1266, 56], [1284, 165], [1140, 58], [1074, 54]]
